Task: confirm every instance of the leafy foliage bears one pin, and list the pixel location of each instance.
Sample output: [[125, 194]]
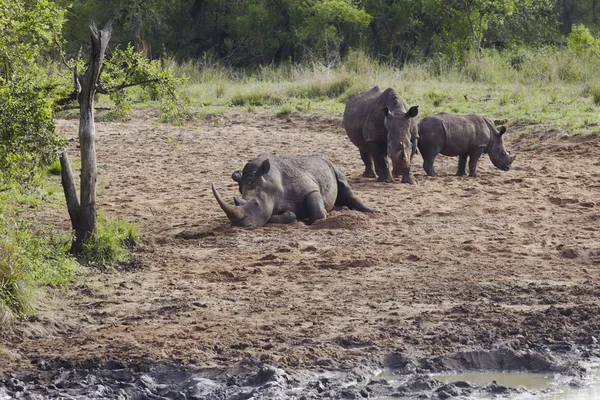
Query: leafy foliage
[[251, 32], [28, 30], [581, 41], [126, 68]]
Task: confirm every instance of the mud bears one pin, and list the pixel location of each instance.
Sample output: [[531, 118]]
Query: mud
[[252, 379], [449, 266]]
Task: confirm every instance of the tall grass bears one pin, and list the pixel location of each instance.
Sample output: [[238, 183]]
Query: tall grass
[[544, 88]]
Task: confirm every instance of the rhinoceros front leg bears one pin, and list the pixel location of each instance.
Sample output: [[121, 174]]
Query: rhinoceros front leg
[[462, 165], [286, 217], [368, 161], [315, 207], [473, 158], [379, 153]]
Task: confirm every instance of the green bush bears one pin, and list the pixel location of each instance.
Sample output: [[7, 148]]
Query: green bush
[[581, 40]]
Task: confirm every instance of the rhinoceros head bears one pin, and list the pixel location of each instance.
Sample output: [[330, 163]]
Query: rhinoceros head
[[256, 205], [498, 154], [401, 135]]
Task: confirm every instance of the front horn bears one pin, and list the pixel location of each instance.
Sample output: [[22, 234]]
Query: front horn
[[233, 213], [403, 158]]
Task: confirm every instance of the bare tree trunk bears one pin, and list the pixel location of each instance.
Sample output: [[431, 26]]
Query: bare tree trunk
[[83, 214]]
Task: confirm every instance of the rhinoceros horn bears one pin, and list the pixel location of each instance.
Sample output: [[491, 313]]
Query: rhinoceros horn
[[403, 158], [233, 213]]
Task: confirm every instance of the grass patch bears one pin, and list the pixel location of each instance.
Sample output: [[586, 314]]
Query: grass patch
[[256, 99], [436, 98], [322, 88], [284, 110], [521, 85], [54, 168], [112, 243]]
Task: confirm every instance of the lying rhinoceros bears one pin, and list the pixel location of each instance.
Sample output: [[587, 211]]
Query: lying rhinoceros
[[283, 189], [463, 136], [381, 124]]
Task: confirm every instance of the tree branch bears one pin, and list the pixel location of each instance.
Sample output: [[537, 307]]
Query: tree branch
[[68, 184]]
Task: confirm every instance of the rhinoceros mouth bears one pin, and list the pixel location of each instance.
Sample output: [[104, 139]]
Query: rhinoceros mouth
[[235, 214]]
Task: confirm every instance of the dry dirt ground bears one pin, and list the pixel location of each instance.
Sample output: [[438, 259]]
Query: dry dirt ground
[[452, 263]]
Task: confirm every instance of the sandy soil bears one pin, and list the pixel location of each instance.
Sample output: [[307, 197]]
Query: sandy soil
[[449, 264]]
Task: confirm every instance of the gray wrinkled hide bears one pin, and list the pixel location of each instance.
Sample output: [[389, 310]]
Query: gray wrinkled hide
[[465, 136], [283, 189], [380, 123]]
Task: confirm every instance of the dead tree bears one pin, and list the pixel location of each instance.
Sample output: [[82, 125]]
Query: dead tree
[[83, 212]]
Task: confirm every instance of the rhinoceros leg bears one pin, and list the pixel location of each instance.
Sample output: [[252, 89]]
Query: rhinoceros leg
[[346, 198], [428, 160], [473, 158], [368, 160], [286, 217], [379, 153], [315, 207], [462, 165]]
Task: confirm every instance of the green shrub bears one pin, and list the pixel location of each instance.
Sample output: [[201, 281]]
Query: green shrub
[[581, 40]]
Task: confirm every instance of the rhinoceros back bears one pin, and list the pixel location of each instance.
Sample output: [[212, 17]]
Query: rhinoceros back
[[300, 176]]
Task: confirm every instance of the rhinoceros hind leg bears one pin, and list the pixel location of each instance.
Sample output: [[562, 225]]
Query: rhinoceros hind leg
[[369, 168], [286, 217], [462, 165], [315, 207], [346, 198], [428, 160]]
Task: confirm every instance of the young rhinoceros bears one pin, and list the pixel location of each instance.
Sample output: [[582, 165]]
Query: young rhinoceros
[[463, 136], [283, 189], [380, 123]]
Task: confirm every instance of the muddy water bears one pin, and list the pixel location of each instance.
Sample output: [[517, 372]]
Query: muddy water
[[535, 385], [552, 388]]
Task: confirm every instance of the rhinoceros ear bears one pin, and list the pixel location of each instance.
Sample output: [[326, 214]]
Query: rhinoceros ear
[[502, 130], [412, 112], [263, 169], [237, 176]]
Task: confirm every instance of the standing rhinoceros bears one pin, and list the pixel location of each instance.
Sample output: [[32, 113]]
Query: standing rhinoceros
[[283, 189], [381, 124], [463, 136]]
